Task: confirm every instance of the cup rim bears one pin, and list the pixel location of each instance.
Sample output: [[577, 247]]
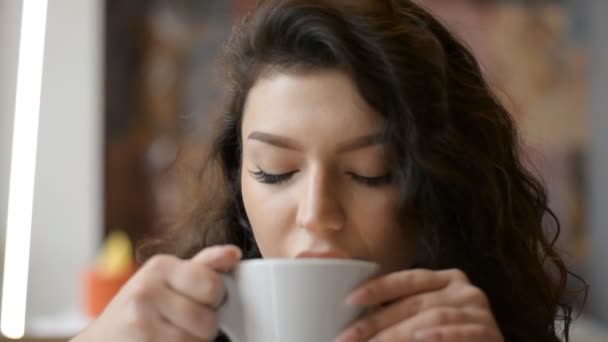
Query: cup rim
[[308, 261]]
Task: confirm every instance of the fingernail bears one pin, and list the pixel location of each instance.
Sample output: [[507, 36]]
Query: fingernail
[[223, 251], [347, 336], [357, 297], [232, 250], [421, 336], [238, 254]]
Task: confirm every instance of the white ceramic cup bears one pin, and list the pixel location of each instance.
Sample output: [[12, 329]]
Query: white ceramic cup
[[291, 300]]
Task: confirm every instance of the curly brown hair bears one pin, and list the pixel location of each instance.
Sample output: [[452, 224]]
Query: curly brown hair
[[454, 150]]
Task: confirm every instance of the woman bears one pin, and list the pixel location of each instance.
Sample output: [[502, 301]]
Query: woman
[[360, 129]]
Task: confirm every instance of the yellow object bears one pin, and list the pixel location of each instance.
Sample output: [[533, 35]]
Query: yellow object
[[116, 256]]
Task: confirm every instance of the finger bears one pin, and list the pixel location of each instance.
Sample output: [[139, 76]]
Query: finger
[[432, 318], [152, 275], [457, 333], [403, 309], [198, 282], [169, 332], [396, 285], [157, 266], [193, 318], [220, 258]]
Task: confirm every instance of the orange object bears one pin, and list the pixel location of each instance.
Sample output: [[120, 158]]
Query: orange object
[[99, 289]]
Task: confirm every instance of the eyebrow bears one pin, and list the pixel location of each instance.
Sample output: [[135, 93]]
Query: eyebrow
[[290, 144]]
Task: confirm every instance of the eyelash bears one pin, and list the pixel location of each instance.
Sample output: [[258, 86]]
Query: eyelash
[[372, 181], [268, 178]]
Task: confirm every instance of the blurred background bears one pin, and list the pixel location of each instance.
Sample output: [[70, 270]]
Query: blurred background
[[127, 86]]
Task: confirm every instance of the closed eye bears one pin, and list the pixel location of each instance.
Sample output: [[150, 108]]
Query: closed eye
[[269, 178], [372, 181]]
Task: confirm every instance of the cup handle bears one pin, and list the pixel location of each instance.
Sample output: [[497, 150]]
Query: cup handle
[[230, 312]]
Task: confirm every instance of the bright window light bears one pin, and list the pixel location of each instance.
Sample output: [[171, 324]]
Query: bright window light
[[23, 167]]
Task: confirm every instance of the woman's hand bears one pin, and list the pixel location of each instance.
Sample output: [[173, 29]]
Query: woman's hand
[[422, 305], [168, 299]]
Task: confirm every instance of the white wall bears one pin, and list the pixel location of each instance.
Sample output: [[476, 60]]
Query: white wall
[[67, 200], [598, 161], [10, 20], [67, 195]]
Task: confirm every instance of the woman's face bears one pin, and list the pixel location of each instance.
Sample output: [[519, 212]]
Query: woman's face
[[315, 177]]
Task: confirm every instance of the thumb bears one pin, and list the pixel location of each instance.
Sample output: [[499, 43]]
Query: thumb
[[221, 258]]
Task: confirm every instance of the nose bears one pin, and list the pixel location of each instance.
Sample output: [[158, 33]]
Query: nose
[[319, 207]]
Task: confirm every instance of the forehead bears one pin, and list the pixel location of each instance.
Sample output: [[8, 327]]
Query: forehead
[[318, 102]]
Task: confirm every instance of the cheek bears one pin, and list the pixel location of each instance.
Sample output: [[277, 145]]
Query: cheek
[[386, 241], [269, 216], [376, 212]]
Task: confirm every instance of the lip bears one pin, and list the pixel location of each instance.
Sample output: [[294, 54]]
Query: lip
[[331, 254]]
